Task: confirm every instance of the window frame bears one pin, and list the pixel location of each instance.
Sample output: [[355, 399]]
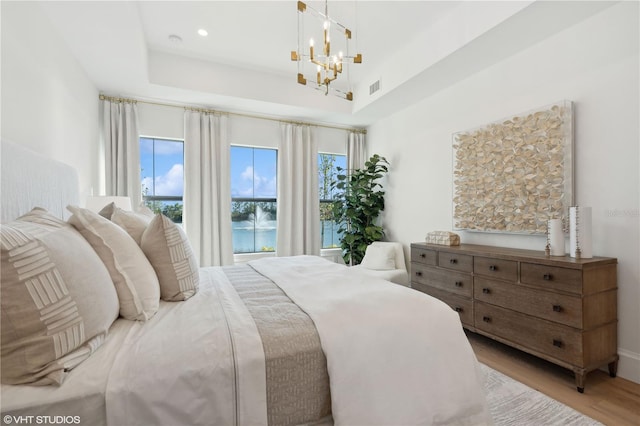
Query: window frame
[[246, 256], [327, 250], [161, 198]]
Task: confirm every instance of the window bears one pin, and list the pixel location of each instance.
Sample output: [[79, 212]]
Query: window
[[162, 175], [253, 199], [327, 172]]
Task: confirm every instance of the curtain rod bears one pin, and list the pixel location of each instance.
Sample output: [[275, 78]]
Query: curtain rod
[[210, 111]]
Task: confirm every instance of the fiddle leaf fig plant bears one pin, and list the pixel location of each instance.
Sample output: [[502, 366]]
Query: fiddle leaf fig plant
[[357, 205]]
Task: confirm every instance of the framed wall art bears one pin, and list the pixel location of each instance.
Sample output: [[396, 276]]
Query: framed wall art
[[515, 174]]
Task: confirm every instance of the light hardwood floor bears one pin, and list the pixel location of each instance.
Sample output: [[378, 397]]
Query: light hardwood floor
[[612, 401]]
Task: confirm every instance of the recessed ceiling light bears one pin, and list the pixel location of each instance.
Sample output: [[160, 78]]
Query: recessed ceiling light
[[203, 32], [175, 39]]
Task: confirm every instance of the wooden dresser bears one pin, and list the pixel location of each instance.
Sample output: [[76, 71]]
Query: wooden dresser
[[557, 308]]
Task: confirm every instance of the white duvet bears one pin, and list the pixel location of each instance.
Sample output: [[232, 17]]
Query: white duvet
[[395, 356]]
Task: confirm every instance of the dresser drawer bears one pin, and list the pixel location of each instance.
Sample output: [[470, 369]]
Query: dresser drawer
[[454, 282], [563, 309], [551, 277], [422, 255], [496, 268], [457, 262], [555, 340], [461, 305]]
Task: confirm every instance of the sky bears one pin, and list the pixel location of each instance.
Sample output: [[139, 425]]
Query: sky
[[253, 170]]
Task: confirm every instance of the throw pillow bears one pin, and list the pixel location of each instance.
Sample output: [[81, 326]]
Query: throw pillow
[[168, 249], [58, 300], [107, 211], [379, 258], [135, 280], [133, 223]]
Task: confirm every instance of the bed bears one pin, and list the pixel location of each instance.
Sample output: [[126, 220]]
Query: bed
[[292, 340]]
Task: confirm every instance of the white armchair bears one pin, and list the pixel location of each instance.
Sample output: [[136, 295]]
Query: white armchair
[[385, 260]]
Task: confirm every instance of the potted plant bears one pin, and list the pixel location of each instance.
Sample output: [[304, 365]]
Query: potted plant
[[359, 201]]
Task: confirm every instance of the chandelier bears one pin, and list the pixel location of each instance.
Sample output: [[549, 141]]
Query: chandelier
[[328, 65]]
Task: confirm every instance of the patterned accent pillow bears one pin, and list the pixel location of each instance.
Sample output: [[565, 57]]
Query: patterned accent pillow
[[135, 280], [58, 300], [168, 249], [133, 223]]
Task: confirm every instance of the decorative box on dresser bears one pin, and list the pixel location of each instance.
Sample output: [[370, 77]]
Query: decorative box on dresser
[[557, 308]]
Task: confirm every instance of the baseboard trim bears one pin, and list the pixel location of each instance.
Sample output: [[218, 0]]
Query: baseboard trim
[[629, 365]]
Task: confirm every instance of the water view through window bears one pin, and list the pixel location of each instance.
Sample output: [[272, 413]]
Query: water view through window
[[253, 199], [253, 191]]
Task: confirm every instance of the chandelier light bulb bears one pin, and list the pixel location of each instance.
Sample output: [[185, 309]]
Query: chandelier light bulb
[[311, 42]]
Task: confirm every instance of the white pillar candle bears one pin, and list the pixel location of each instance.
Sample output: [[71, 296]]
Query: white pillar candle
[[580, 232], [556, 237]]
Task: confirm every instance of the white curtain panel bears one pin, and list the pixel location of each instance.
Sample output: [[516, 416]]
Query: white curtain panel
[[298, 201], [207, 188], [355, 151], [122, 149]]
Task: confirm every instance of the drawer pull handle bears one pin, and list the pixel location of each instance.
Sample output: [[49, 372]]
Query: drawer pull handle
[[458, 283], [418, 273], [486, 319], [547, 277], [423, 255], [493, 268], [458, 309], [557, 308], [453, 261], [557, 343], [486, 290]]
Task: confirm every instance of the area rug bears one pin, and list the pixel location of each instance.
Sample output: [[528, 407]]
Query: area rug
[[513, 403]]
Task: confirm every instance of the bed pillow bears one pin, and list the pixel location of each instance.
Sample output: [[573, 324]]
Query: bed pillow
[[107, 211], [168, 249], [143, 209], [58, 300], [379, 258], [135, 280], [132, 222]]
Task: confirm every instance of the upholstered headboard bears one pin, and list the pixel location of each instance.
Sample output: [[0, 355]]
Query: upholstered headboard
[[29, 180]]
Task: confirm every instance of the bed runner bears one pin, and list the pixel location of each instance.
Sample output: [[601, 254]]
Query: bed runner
[[296, 368]]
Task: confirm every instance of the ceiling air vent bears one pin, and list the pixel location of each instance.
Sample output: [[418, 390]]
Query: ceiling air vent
[[374, 87]]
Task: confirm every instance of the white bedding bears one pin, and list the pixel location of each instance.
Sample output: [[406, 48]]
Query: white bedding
[[83, 391], [395, 356], [198, 362]]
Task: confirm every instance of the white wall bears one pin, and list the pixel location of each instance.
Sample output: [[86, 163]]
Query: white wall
[[168, 122], [594, 64], [48, 102]]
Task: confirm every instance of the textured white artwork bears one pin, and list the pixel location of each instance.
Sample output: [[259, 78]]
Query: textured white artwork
[[515, 174]]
